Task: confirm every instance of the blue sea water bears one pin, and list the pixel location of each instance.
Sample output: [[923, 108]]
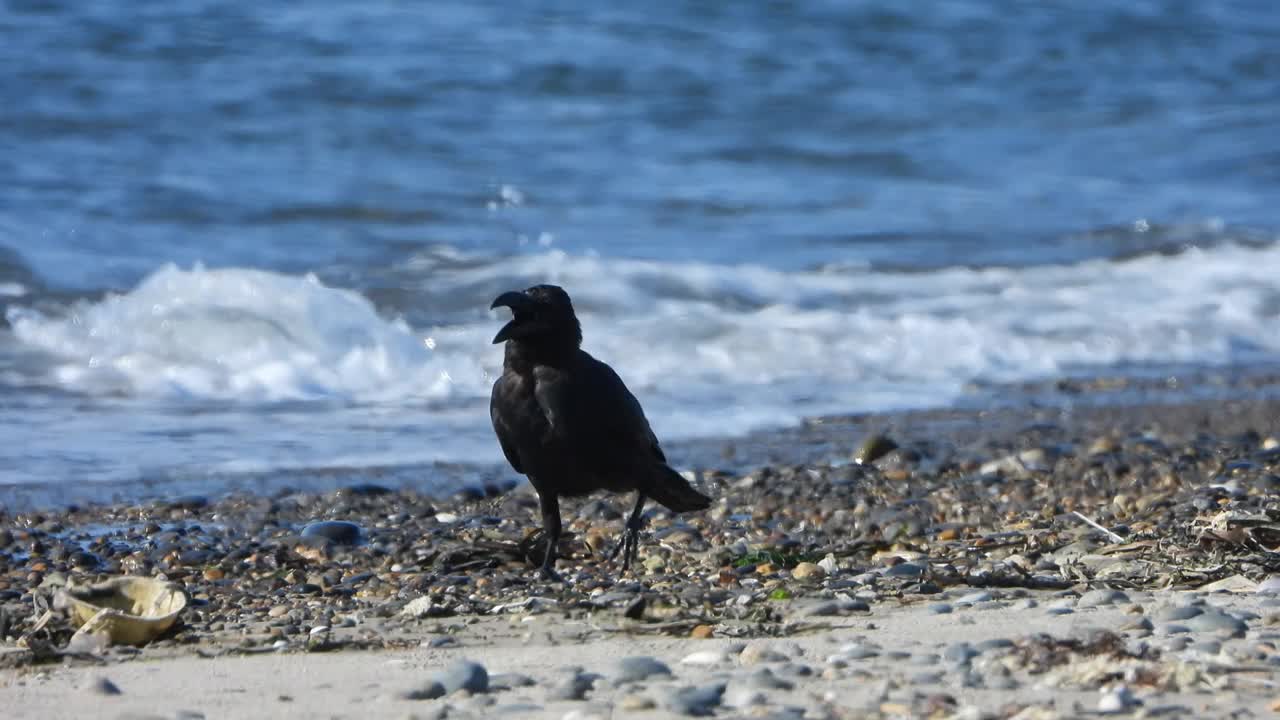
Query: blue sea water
[[251, 238]]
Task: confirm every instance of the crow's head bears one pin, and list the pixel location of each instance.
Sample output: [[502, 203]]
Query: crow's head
[[542, 313]]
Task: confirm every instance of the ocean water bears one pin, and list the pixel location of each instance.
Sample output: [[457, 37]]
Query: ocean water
[[239, 240]]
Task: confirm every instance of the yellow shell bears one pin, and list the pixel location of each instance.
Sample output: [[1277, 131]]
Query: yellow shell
[[130, 610]]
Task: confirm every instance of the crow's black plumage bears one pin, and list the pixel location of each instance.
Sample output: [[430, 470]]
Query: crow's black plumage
[[567, 421]]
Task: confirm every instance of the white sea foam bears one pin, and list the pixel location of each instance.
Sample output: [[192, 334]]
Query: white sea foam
[[710, 350]]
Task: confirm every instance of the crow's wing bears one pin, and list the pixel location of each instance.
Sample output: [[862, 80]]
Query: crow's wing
[[501, 408], [595, 416]]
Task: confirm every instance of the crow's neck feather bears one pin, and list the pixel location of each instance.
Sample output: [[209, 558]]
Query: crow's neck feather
[[554, 350]]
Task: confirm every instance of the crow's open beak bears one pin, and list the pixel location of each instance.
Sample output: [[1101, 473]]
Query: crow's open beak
[[521, 305]]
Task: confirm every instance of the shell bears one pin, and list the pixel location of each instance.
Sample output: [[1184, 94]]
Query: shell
[[130, 610]]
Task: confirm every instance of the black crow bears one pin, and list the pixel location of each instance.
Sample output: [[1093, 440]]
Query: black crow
[[568, 422]]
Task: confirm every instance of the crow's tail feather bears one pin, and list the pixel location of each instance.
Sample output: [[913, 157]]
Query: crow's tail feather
[[669, 488]]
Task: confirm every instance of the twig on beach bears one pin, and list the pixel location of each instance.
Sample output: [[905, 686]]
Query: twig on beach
[[1114, 537]]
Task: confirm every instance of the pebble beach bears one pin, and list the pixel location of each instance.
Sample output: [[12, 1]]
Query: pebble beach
[[1097, 558]]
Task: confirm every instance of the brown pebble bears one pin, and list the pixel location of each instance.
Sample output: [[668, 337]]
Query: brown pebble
[[702, 632], [213, 573], [949, 534]]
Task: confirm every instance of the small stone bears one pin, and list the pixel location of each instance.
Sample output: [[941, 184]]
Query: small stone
[[993, 644], [940, 608], [807, 571], [696, 701], [1177, 612], [974, 598], [464, 675], [421, 607], [1102, 597], [741, 697], [338, 532], [702, 632], [278, 611], [638, 668], [635, 608], [1216, 621], [757, 653], [960, 652], [1141, 623], [213, 574], [858, 651], [104, 686], [1117, 700], [430, 691], [704, 657], [510, 681], [906, 569], [873, 448], [574, 686], [828, 564]]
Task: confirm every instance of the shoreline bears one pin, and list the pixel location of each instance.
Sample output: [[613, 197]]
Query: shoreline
[[975, 530], [1225, 400]]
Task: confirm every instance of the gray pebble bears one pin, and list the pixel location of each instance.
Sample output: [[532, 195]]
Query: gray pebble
[[1216, 621], [940, 608], [742, 696], [960, 652], [338, 532], [1142, 622], [1171, 613], [510, 681], [430, 691], [1059, 611], [1210, 647], [574, 686], [829, 608], [858, 651], [464, 675], [1101, 597], [1174, 629], [907, 569], [104, 686], [696, 701], [795, 670], [993, 644], [930, 677], [973, 598], [638, 669], [764, 679]]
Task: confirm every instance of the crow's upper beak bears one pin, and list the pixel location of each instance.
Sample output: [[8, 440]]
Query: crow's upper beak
[[519, 304], [517, 301]]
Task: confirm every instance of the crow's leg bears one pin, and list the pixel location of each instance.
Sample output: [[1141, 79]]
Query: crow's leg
[[551, 528], [629, 543]]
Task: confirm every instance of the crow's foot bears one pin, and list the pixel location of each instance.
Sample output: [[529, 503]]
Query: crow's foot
[[628, 545]]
